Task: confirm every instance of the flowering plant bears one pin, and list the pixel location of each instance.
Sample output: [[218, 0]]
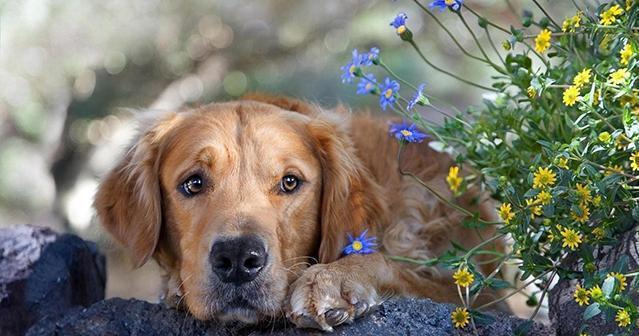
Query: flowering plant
[[556, 143]]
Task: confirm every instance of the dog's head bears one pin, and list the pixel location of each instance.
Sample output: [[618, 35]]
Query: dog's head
[[235, 199]]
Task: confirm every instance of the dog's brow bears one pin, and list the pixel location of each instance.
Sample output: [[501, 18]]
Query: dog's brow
[[205, 156]]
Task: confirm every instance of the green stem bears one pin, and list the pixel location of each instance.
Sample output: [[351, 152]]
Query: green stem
[[484, 243], [541, 58], [543, 294], [492, 44], [492, 275], [513, 292], [440, 197], [427, 262], [481, 49], [385, 67], [512, 8], [546, 13], [436, 19], [487, 21], [421, 55]]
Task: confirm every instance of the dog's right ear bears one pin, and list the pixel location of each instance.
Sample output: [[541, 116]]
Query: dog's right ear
[[128, 201]]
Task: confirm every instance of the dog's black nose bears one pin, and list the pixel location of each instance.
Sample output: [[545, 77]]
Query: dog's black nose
[[238, 260]]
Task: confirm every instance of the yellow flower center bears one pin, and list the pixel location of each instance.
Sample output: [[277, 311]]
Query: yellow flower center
[[401, 29], [352, 69], [388, 93], [406, 133], [369, 86], [449, 2], [357, 245]]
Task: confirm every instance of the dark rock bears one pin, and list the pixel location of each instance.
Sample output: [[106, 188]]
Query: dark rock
[[43, 274], [395, 317], [566, 315]]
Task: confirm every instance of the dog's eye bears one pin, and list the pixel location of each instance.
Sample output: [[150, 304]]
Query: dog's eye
[[192, 185], [289, 184]]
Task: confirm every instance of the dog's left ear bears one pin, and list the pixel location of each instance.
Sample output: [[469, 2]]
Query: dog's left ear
[[351, 199]]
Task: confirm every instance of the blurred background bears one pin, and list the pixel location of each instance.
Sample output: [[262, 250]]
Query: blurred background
[[73, 73]]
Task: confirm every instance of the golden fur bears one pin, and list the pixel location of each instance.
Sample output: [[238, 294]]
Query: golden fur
[[353, 183]]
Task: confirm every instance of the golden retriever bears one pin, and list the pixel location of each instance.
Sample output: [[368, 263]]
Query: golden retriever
[[248, 205]]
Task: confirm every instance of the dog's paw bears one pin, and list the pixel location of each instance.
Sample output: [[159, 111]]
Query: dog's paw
[[326, 296]]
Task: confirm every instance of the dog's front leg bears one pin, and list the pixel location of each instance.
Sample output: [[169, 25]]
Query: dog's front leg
[[327, 295]]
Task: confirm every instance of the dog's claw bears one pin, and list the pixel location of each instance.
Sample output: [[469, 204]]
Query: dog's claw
[[303, 321], [336, 316]]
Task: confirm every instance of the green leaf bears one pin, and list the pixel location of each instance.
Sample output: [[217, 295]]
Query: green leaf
[[608, 286], [524, 328], [498, 283], [622, 264], [482, 319], [592, 311], [635, 213]]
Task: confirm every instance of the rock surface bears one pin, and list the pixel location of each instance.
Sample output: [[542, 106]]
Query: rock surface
[[395, 317], [566, 315], [43, 274]]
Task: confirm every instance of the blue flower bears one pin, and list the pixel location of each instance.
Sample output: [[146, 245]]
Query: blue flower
[[399, 23], [366, 84], [406, 132], [387, 95], [349, 71], [454, 5], [360, 244], [417, 98], [371, 57]]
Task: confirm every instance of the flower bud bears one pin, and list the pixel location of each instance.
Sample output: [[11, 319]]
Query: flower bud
[[543, 23], [482, 22], [405, 34]]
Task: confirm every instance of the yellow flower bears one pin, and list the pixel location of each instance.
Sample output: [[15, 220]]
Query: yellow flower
[[544, 177], [531, 92], [505, 212], [610, 16], [622, 318], [581, 296], [544, 197], [582, 78], [571, 238], [571, 23], [619, 76], [562, 163], [626, 53], [453, 179], [596, 201], [605, 137], [570, 95], [622, 141], [634, 160], [620, 278], [595, 98], [542, 41], [585, 214], [460, 317], [631, 100], [463, 278], [535, 210], [583, 191], [613, 169], [595, 293]]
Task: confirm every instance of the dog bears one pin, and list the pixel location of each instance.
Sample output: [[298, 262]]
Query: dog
[[248, 207]]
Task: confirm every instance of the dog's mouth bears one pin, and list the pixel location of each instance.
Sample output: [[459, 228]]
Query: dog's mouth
[[239, 309]]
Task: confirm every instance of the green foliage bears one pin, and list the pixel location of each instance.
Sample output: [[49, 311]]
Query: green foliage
[[557, 145]]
